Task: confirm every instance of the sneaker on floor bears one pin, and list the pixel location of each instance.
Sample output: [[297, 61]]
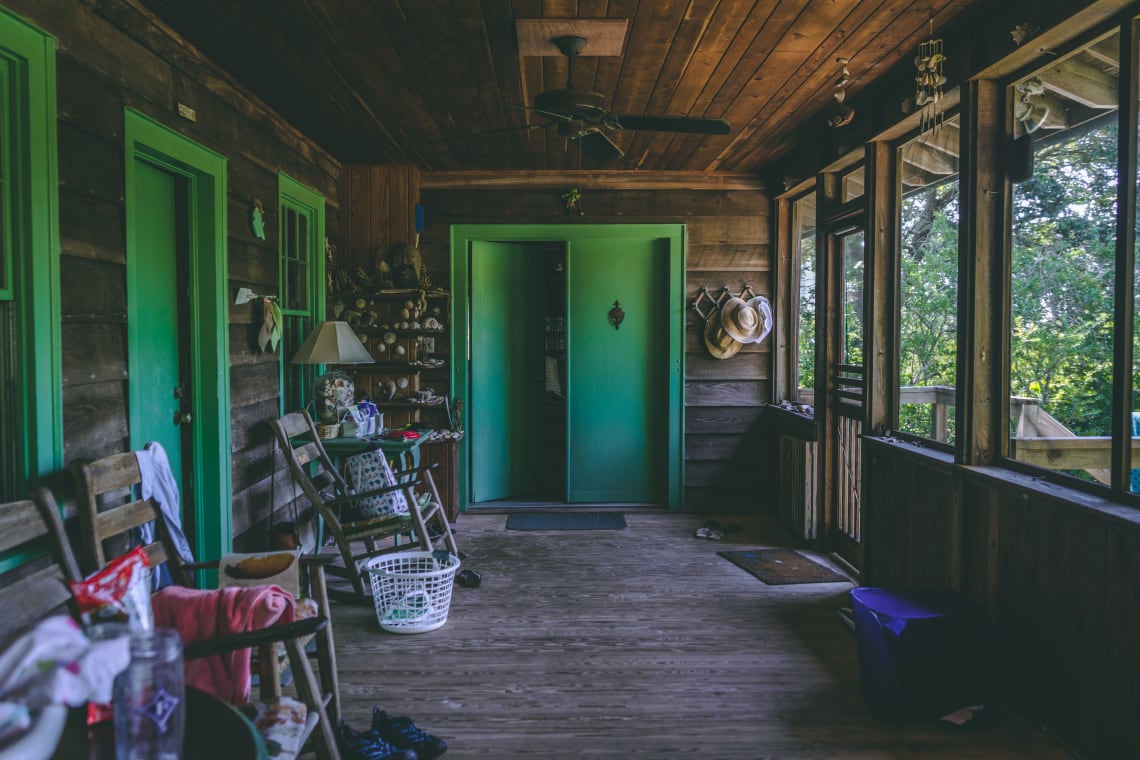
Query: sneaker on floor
[[354, 745], [402, 732]]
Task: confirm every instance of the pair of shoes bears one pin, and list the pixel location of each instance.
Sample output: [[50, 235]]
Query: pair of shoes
[[722, 527], [469, 579], [710, 533], [403, 733], [354, 745]]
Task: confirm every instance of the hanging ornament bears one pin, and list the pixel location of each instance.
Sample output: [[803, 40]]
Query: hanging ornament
[[929, 81]]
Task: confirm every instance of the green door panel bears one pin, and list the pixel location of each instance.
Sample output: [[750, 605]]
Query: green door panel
[[618, 378], [157, 340], [506, 370]]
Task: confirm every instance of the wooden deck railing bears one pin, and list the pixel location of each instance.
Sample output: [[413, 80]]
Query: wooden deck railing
[[1039, 438]]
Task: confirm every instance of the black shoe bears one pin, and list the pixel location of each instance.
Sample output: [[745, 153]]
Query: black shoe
[[354, 745], [402, 732]]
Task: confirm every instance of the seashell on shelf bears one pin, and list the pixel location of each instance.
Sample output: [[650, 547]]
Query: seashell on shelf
[[402, 383]]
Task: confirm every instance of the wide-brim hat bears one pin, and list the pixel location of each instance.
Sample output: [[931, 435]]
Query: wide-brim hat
[[741, 320], [719, 343]]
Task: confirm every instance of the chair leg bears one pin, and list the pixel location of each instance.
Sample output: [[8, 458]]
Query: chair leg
[[323, 736], [326, 647], [440, 514]]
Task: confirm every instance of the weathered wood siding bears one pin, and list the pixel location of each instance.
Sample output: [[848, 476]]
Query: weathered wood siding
[[113, 54], [1061, 582], [729, 233]]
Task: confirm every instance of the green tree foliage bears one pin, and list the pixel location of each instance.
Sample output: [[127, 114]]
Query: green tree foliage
[[1063, 267]]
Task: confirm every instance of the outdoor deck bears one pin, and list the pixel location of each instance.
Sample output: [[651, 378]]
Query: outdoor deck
[[641, 642]]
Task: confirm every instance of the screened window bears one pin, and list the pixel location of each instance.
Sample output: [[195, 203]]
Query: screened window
[[853, 272], [803, 245], [1062, 288], [928, 282], [302, 283]]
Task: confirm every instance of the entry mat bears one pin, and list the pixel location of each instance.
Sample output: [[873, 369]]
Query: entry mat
[[566, 521], [780, 567]]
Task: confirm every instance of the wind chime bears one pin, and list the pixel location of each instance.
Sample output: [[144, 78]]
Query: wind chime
[[929, 82]]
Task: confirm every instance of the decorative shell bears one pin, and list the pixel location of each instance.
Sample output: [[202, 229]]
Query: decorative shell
[[400, 350], [389, 337], [382, 347], [405, 313], [402, 383], [362, 337]]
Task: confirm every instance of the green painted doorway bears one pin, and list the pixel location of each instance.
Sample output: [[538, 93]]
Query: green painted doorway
[[617, 377], [621, 417], [177, 319], [506, 370], [163, 412]]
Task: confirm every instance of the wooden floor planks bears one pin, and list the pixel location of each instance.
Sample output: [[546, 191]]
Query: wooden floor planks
[[638, 643]]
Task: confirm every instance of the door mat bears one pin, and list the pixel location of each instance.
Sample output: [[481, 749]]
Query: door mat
[[780, 567], [566, 521]]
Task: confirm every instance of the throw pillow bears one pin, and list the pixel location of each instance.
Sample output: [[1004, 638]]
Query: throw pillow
[[368, 472]]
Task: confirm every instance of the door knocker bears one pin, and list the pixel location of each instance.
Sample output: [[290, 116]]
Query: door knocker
[[616, 315]]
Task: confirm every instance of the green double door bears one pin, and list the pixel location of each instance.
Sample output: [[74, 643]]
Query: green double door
[[614, 437]]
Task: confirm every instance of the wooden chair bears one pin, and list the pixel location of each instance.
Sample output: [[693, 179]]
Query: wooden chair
[[334, 501], [108, 510], [37, 588]]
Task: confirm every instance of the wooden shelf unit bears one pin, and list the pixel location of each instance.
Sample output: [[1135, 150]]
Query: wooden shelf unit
[[371, 315]]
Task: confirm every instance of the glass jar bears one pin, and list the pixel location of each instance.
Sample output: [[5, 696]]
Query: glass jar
[[149, 699]]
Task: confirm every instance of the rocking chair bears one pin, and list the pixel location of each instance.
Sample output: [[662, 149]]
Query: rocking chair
[[337, 503]]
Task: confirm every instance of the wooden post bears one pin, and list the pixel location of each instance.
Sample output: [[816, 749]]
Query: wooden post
[[880, 300], [983, 337]]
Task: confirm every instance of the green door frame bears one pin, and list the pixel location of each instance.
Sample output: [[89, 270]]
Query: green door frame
[[205, 172], [462, 235], [33, 246]]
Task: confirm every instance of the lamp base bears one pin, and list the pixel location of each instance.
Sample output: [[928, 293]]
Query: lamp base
[[332, 393]]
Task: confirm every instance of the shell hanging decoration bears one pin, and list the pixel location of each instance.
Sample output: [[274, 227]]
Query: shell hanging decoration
[[929, 82]]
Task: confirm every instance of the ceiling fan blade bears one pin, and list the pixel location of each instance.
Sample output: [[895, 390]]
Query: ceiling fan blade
[[527, 127], [692, 124], [599, 147], [548, 114]]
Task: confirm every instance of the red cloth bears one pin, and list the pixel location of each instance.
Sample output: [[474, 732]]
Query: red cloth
[[200, 615]]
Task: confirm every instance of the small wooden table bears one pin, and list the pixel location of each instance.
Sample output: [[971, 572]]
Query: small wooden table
[[214, 730], [406, 451]]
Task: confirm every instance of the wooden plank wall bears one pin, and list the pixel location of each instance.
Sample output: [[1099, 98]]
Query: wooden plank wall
[[1061, 583], [729, 243], [113, 54], [379, 205]]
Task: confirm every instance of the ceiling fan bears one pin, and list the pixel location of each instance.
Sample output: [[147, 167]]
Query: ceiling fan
[[582, 115]]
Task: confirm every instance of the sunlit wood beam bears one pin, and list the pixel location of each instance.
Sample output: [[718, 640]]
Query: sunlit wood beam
[[1082, 83]]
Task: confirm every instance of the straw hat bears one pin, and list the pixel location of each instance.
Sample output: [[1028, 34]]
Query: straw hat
[[741, 320], [719, 343]]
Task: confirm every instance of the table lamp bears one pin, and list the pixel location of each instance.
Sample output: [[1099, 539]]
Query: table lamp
[[332, 343]]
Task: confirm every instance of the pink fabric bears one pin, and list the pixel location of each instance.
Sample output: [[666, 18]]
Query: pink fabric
[[200, 615]]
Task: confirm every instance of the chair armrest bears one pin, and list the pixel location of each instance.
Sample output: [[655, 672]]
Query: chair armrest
[[317, 560], [267, 635], [364, 495], [414, 470], [209, 564]]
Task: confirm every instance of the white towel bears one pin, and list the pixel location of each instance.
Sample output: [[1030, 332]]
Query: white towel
[[158, 483]]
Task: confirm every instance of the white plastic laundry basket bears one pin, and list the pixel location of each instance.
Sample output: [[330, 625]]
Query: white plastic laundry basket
[[412, 590]]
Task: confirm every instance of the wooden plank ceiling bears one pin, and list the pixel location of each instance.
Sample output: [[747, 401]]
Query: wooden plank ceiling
[[439, 83]]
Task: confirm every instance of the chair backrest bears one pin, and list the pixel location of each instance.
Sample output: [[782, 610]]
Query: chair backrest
[[309, 463], [109, 511], [35, 588]]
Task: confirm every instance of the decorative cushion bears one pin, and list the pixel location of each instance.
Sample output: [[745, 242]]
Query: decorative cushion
[[368, 472]]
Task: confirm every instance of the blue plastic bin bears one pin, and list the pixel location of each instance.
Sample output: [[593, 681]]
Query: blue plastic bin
[[922, 653]]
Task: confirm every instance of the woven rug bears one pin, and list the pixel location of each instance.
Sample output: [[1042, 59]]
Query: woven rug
[[566, 521], [779, 567]]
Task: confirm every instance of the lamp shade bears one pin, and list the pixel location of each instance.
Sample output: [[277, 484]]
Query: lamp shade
[[332, 343]]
